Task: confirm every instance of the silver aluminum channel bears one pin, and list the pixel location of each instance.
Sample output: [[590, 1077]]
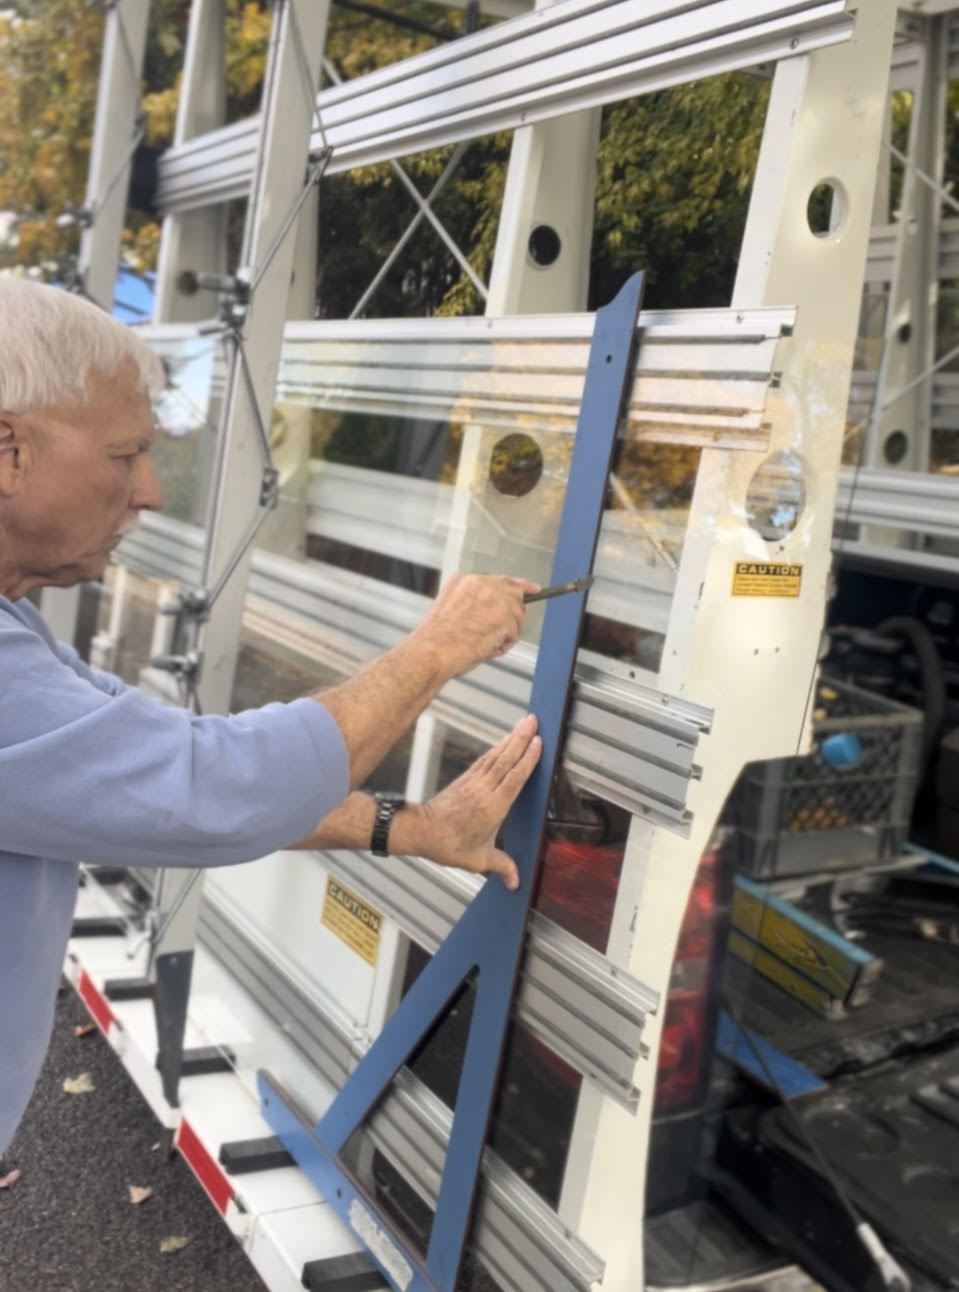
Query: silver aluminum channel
[[516, 1233], [572, 55]]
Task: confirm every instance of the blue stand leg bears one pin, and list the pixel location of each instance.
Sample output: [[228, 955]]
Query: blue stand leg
[[490, 936]]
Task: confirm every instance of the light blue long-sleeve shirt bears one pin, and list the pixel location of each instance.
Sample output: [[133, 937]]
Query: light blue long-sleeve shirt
[[93, 770]]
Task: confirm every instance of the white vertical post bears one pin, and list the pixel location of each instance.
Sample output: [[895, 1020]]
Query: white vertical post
[[751, 660], [196, 239], [279, 175], [103, 647], [108, 181], [111, 158], [910, 326]]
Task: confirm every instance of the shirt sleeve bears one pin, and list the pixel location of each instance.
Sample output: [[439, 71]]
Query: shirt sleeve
[[109, 683], [123, 779]]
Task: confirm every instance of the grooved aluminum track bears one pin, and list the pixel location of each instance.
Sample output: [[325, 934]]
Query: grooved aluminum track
[[568, 56], [701, 378], [628, 743], [517, 1237], [586, 1009], [909, 500]]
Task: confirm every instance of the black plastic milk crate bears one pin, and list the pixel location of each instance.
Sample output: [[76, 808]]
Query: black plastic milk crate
[[796, 815]]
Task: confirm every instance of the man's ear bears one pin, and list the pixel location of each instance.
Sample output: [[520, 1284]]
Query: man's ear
[[14, 456]]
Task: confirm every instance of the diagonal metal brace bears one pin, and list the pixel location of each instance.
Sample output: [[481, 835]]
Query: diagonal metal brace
[[487, 942]]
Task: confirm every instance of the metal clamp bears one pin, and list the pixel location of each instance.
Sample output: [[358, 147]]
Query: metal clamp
[[235, 292], [186, 667], [75, 217], [192, 602], [270, 488]]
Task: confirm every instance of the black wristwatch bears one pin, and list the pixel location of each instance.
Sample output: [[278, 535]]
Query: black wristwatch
[[387, 806]]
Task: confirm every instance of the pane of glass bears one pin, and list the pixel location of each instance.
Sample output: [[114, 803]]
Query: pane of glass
[[165, 551], [187, 415], [397, 461], [126, 622]]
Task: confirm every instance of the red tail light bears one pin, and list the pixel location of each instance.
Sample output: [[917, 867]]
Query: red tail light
[[686, 1031], [578, 892]]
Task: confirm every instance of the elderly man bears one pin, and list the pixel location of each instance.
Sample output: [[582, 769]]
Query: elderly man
[[91, 769]]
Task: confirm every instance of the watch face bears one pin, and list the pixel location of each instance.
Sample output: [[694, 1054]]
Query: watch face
[[391, 797]]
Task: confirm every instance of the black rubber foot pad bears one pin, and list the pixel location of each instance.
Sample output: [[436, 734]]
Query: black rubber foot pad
[[128, 988], [205, 1060], [241, 1156], [98, 926], [354, 1273]]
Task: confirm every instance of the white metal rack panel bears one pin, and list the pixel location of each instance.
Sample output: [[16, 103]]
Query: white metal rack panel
[[752, 659]]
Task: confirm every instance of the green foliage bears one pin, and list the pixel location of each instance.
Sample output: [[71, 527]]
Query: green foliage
[[673, 179], [673, 175], [49, 64]]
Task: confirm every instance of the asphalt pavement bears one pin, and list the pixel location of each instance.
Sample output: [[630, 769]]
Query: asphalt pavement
[[67, 1224]]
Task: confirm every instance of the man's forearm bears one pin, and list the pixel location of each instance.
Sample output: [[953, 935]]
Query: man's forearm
[[375, 707], [351, 826]]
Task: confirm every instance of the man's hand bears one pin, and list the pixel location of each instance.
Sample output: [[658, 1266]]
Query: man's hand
[[459, 825], [474, 618]]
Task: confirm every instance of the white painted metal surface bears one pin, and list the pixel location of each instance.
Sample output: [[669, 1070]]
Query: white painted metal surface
[[823, 121]]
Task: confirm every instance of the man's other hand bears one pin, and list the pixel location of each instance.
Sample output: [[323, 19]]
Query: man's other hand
[[475, 617], [459, 825]]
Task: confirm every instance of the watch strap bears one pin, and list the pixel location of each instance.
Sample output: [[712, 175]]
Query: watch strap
[[387, 805]]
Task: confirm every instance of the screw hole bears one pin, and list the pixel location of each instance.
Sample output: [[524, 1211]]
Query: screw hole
[[544, 246], [895, 447]]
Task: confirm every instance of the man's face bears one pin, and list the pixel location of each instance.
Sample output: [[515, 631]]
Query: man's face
[[76, 480]]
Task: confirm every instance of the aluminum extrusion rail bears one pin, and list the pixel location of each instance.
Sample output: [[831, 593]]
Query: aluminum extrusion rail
[[627, 742], [515, 1231], [556, 60], [582, 1006], [701, 378], [915, 501]]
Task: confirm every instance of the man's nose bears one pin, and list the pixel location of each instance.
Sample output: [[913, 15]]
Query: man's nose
[[147, 490]]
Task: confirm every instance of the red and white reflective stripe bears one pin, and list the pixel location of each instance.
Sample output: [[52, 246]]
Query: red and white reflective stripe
[[95, 1002], [207, 1171]]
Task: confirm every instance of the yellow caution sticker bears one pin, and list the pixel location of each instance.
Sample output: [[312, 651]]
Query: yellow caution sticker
[[352, 920], [765, 579]]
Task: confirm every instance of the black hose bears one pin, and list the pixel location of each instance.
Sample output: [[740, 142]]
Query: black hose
[[932, 678]]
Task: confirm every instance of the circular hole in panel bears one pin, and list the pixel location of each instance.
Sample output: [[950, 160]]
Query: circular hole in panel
[[826, 209], [544, 246], [776, 496], [895, 447], [905, 333], [516, 465]]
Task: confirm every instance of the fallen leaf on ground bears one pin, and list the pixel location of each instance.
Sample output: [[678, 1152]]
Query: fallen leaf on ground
[[139, 1194], [173, 1244], [81, 1085], [84, 1029], [10, 1178]]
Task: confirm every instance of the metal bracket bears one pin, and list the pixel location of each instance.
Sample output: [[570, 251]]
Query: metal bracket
[[235, 292], [75, 217], [488, 940]]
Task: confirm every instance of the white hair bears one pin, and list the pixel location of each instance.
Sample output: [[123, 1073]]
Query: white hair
[[52, 342]]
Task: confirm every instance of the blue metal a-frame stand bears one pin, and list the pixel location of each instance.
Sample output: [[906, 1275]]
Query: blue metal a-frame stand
[[488, 939]]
